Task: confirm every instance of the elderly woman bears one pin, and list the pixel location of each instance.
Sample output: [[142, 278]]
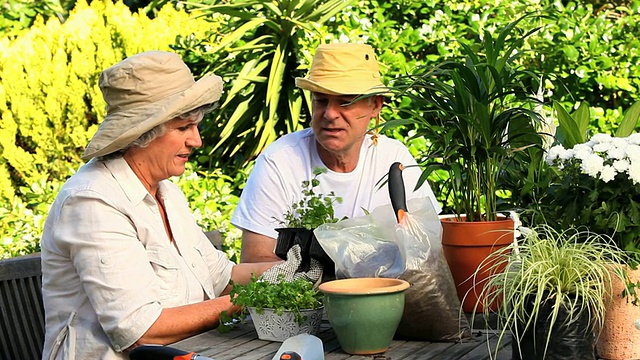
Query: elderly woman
[[124, 262]]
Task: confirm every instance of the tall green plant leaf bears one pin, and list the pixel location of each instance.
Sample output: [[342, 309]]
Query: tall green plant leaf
[[630, 120], [569, 130], [259, 58], [476, 114]]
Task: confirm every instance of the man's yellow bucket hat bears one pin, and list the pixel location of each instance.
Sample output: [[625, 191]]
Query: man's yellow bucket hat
[[343, 69]]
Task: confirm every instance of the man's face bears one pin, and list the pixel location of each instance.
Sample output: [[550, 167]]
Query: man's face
[[339, 124]]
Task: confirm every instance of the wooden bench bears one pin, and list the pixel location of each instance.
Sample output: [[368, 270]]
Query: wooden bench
[[21, 308]]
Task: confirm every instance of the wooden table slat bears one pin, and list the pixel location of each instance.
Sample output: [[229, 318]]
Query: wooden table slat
[[242, 343]]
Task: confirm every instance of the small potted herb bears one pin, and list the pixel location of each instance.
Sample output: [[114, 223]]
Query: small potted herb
[[313, 210], [279, 310]]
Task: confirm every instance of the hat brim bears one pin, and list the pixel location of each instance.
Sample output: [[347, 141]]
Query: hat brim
[[346, 88], [206, 90]]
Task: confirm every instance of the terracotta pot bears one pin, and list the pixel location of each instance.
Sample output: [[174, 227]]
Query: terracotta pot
[[364, 312], [620, 336], [466, 245]]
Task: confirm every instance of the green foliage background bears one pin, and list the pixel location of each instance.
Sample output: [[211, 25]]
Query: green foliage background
[[51, 56], [50, 103]]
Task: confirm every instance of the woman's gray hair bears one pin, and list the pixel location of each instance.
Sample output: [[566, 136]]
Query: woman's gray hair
[[145, 139]]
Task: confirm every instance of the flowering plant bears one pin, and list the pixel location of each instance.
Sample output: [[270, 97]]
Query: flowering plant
[[597, 185]]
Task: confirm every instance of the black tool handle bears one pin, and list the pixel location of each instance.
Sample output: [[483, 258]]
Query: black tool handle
[[396, 190]]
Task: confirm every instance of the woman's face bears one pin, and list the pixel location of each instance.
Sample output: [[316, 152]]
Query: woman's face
[[167, 155]]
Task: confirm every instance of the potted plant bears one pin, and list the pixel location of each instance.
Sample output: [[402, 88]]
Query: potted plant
[[597, 184], [313, 210], [279, 310], [474, 114], [556, 287]]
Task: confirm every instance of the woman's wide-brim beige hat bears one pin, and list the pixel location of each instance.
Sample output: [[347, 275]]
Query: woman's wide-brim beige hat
[[343, 69], [144, 91]]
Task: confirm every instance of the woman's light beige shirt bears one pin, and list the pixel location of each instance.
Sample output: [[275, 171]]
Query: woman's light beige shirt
[[109, 267]]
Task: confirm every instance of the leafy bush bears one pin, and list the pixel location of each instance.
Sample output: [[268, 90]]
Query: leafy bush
[[259, 54], [22, 218], [16, 16], [50, 102]]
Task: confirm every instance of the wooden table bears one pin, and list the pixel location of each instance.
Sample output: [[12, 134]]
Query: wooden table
[[243, 343]]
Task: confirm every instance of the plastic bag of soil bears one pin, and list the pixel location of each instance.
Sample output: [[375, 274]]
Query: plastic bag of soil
[[376, 245]]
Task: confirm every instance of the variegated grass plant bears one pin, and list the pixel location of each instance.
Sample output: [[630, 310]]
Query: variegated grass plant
[[572, 269]]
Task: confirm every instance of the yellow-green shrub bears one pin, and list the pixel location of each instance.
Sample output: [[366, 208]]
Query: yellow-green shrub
[[50, 103]]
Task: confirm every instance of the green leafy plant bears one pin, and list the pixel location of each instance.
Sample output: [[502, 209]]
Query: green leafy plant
[[260, 51], [597, 184], [280, 296], [567, 271], [573, 128], [313, 209], [475, 114]]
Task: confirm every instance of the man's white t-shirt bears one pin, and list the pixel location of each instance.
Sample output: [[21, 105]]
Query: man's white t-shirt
[[276, 181]]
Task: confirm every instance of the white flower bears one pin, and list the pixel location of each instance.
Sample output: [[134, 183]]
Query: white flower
[[616, 153], [634, 173], [634, 139], [567, 154], [620, 143], [582, 151], [603, 157], [601, 138], [602, 147], [607, 173], [553, 154], [633, 153], [592, 165], [621, 165]]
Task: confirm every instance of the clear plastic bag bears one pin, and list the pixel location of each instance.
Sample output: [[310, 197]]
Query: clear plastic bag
[[376, 245]]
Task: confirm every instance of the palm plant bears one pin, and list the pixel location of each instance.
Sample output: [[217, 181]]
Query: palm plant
[[267, 38], [474, 115], [557, 284]]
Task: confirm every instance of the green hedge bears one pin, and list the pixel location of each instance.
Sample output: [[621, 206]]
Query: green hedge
[[50, 103]]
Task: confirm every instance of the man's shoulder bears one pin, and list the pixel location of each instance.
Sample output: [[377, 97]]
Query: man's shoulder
[[296, 141]]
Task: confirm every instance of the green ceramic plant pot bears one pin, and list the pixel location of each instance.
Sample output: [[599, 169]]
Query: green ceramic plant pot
[[364, 312]]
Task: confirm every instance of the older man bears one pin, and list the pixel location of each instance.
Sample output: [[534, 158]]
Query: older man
[[337, 140]]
